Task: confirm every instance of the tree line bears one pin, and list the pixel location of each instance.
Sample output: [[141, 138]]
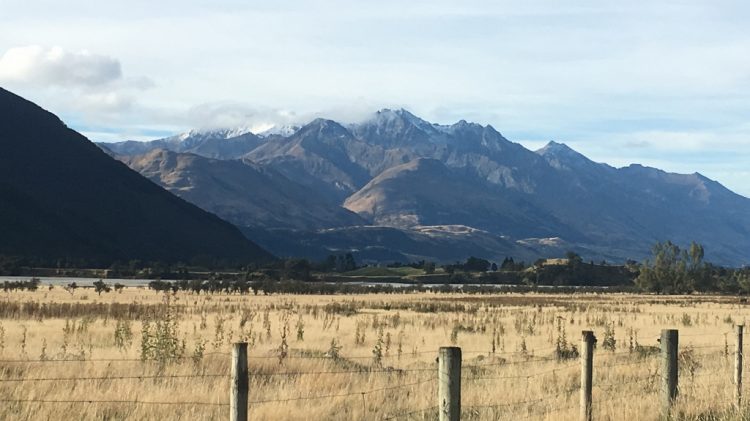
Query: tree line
[[672, 270]]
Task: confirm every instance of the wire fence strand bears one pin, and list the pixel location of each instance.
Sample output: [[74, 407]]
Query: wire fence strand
[[111, 401]]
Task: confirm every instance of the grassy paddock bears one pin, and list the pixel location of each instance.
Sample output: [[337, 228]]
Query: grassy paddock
[[372, 356]]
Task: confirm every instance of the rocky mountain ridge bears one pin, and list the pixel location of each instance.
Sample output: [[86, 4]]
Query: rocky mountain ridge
[[401, 172]]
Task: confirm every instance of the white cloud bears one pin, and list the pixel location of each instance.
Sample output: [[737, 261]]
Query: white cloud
[[88, 87], [106, 102], [55, 66], [233, 114], [238, 114]]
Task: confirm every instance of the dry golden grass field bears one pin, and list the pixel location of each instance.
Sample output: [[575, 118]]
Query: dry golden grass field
[[356, 357]]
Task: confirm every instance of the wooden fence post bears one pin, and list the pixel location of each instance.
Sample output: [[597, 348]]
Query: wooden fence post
[[738, 366], [669, 345], [449, 383], [587, 372], [240, 383]]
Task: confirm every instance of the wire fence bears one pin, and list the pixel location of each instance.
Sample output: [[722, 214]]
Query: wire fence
[[503, 385]]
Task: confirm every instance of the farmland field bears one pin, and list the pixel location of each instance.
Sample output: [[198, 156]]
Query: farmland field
[[140, 354]]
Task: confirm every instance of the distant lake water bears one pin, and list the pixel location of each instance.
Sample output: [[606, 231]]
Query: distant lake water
[[81, 282], [89, 282]]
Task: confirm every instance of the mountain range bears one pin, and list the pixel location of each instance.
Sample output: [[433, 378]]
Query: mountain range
[[440, 192], [62, 198]]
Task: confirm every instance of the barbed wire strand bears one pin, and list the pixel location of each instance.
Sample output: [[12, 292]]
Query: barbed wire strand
[[67, 360], [364, 371], [142, 377], [111, 401]]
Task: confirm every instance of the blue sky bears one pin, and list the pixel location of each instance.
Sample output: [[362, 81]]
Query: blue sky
[[665, 84]]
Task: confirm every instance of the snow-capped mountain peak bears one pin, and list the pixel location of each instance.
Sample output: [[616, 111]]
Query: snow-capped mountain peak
[[284, 130], [213, 133], [401, 115]]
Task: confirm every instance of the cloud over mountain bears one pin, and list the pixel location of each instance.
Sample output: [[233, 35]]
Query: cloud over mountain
[[55, 66]]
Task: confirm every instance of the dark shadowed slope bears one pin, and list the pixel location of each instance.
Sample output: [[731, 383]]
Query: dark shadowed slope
[[638, 206], [61, 196], [242, 193]]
